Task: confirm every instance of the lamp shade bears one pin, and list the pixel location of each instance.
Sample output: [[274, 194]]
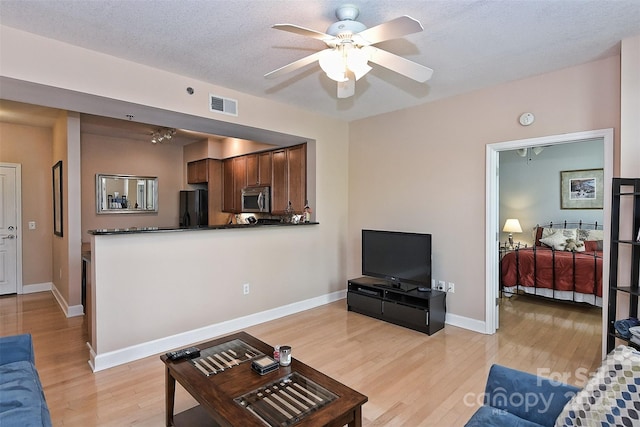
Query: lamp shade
[[336, 62], [512, 225]]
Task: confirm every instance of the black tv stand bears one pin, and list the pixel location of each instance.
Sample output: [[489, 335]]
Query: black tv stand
[[403, 287], [422, 311]]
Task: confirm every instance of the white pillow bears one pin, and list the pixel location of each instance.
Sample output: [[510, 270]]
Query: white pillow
[[588, 235], [558, 240]]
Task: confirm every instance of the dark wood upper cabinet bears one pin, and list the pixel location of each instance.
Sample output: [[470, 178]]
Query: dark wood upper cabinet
[[198, 172], [239, 180], [289, 179], [279, 187], [283, 169], [297, 164], [259, 168], [228, 195]]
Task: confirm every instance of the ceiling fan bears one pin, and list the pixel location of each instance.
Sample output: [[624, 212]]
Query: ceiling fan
[[350, 48]]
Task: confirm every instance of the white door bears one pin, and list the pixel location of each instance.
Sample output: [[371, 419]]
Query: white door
[[8, 231]]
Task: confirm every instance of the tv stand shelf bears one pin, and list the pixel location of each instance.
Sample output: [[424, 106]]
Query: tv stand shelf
[[414, 309]]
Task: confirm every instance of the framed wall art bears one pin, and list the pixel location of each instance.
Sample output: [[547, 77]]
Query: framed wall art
[[57, 198], [582, 189]]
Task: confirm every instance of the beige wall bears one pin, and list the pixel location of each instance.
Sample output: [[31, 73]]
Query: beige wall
[[31, 147], [313, 263], [630, 120], [66, 261], [423, 169], [102, 154], [60, 264]]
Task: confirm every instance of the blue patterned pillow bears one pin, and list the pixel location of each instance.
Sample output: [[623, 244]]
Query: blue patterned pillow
[[611, 397]]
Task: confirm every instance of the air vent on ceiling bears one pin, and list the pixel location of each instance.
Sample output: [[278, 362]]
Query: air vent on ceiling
[[223, 105]]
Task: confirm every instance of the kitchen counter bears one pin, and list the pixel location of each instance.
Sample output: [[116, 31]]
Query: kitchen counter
[[133, 230]]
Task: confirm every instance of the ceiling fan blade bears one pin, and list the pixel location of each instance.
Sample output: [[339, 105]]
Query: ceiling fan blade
[[348, 88], [296, 29], [390, 30], [294, 65], [400, 65]]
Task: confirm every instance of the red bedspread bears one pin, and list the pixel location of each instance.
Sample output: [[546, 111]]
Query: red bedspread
[[588, 270]]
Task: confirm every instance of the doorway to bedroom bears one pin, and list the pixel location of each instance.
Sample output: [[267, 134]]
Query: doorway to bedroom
[[524, 183]]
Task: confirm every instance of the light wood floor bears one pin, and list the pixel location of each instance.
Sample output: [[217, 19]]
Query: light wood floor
[[411, 379]]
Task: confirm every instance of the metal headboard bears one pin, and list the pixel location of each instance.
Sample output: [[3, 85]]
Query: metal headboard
[[573, 224]]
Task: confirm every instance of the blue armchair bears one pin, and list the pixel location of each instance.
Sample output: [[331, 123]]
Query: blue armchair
[[22, 401], [518, 399]]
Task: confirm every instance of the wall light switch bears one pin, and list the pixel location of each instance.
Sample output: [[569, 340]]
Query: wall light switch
[[32, 225]]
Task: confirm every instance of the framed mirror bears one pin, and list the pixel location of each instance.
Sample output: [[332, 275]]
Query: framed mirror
[[126, 194]]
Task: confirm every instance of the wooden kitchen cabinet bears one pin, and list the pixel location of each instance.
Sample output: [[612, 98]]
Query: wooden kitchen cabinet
[[279, 178], [289, 179], [239, 179], [285, 170], [198, 172], [297, 164], [234, 179], [228, 199], [259, 168]]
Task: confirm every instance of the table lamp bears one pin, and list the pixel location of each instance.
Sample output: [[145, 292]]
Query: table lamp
[[511, 226]]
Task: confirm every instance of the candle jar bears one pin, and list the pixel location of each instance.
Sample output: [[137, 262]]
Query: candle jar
[[285, 355]]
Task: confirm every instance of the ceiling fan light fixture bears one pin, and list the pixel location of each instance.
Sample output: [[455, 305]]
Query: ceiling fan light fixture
[[357, 61], [350, 49], [332, 62], [336, 62]]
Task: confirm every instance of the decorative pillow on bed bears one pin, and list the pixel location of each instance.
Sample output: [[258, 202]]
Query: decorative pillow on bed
[[611, 397], [588, 235], [593, 245], [542, 233], [558, 240]]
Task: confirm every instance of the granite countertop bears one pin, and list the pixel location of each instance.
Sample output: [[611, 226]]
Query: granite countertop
[[133, 230]]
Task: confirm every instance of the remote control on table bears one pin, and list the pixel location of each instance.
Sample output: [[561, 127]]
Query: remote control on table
[[185, 353]]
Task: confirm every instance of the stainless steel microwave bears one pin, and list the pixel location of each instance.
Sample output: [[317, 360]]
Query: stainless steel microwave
[[256, 199]]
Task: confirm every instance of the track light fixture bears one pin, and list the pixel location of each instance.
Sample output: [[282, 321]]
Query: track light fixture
[[161, 134]]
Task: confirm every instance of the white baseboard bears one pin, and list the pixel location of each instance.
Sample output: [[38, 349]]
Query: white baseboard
[[110, 359], [466, 323], [69, 311], [36, 287]]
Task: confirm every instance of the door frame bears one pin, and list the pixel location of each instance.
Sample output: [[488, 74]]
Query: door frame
[[492, 236], [18, 191]]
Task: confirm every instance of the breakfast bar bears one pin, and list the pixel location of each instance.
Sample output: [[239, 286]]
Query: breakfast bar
[[154, 289]]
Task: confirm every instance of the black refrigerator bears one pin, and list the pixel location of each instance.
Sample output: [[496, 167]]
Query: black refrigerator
[[194, 208]]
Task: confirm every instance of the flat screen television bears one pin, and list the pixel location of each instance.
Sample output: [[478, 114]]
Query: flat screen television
[[402, 259]]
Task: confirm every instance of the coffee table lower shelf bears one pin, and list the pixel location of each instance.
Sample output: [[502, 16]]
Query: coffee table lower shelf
[[194, 417]]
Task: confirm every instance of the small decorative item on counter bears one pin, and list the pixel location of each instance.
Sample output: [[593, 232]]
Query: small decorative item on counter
[[288, 213], [276, 353], [285, 355], [307, 212]]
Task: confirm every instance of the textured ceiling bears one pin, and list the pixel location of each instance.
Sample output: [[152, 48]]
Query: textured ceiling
[[469, 44]]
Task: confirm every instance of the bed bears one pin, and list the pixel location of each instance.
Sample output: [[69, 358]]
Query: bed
[[565, 263]]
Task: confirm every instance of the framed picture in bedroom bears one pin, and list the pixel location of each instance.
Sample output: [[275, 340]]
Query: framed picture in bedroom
[[582, 189]]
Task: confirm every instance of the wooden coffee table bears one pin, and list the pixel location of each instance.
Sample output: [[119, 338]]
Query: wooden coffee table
[[230, 393]]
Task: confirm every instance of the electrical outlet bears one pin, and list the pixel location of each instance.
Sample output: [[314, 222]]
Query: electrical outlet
[[245, 288], [441, 285], [32, 225], [451, 287]]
